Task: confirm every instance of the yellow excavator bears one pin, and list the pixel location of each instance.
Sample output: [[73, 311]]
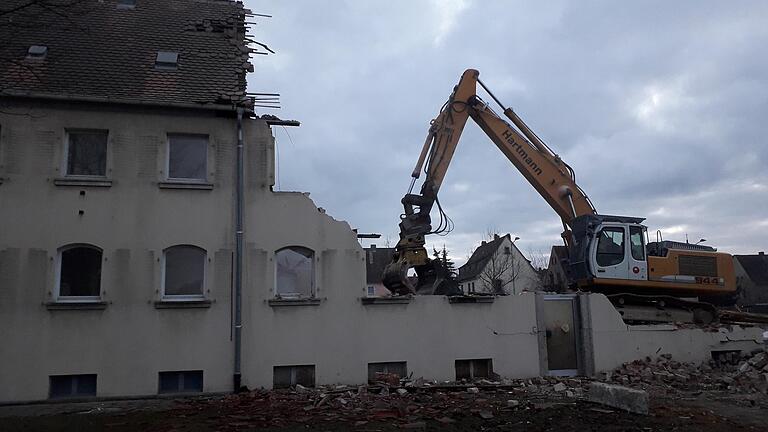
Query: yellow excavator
[[647, 281]]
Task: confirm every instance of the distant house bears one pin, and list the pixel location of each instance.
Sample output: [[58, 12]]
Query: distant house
[[752, 277], [375, 261], [556, 278], [498, 267]]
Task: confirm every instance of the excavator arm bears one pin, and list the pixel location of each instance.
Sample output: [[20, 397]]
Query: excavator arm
[[548, 174]]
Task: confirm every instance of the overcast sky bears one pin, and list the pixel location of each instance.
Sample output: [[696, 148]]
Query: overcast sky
[[660, 107]]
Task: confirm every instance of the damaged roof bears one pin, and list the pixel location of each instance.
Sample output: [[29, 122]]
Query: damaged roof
[[159, 52], [756, 267]]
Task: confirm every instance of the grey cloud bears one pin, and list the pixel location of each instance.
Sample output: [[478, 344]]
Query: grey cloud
[[656, 105]]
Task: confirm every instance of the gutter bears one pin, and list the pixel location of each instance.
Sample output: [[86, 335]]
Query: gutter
[[239, 193], [134, 102]]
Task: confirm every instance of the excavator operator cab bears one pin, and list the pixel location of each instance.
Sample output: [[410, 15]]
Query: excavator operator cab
[[608, 247], [618, 251]]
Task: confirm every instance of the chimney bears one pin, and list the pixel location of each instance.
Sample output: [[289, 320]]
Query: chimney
[[761, 253], [373, 246], [482, 243], [495, 236]]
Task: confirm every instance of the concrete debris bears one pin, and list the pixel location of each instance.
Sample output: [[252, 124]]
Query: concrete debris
[[513, 403], [631, 400], [731, 371], [559, 387], [473, 390]]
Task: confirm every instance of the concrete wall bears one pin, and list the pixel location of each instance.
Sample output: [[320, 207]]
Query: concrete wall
[[615, 343], [130, 341]]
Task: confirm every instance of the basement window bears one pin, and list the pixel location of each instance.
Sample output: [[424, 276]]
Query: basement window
[[473, 369], [37, 52], [86, 153], [71, 386], [288, 376], [398, 368], [167, 60], [187, 157], [183, 273], [295, 273], [180, 382], [79, 274]]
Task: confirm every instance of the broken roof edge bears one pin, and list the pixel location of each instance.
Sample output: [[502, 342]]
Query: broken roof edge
[[120, 101]]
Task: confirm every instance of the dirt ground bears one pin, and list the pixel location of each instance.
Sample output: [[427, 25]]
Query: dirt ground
[[420, 409]]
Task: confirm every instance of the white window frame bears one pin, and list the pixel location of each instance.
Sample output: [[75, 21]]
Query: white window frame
[[183, 297], [65, 155], [313, 271], [168, 158], [57, 297]]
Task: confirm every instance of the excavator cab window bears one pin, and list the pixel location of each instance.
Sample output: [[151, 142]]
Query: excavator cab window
[[636, 243], [610, 246]]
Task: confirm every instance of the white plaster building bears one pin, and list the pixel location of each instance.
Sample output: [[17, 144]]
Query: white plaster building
[[498, 267]]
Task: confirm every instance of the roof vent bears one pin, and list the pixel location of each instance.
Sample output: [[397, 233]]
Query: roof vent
[[37, 52], [167, 60], [126, 4]]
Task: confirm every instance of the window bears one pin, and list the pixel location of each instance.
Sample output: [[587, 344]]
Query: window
[[507, 250], [86, 153], [398, 368], [180, 382], [636, 243], [295, 273], [472, 369], [371, 291], [126, 4], [610, 246], [37, 52], [79, 273], [71, 386], [166, 60], [187, 157], [183, 272], [287, 376]]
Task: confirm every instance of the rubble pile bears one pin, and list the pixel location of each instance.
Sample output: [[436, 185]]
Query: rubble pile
[[733, 371], [409, 404]]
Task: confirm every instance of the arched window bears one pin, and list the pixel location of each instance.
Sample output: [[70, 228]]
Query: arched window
[[79, 273], [295, 272], [183, 272]]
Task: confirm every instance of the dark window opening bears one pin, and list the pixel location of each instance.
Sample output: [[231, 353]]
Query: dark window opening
[[188, 157], [80, 272], [184, 271], [287, 376], [472, 369], [180, 382], [87, 153], [398, 368], [71, 386], [610, 246], [636, 243]]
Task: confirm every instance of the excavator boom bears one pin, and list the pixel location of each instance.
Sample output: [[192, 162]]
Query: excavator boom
[[549, 175]]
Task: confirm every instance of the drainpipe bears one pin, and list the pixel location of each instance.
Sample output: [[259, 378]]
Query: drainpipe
[[238, 252]]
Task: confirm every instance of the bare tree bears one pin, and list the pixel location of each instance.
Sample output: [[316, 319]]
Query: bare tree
[[502, 269]]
